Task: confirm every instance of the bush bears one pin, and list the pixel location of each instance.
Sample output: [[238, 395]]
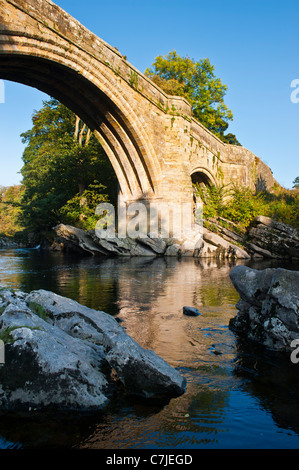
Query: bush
[[241, 205], [285, 208], [212, 198], [10, 209]]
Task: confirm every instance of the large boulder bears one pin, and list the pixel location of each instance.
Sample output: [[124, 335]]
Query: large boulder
[[63, 355], [223, 248], [75, 239], [268, 309], [273, 239]]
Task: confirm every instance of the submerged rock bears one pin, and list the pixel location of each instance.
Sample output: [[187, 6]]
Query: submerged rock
[[191, 311], [62, 355], [268, 311]]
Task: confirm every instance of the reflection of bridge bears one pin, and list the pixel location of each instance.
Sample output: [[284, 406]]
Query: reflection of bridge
[[153, 143]]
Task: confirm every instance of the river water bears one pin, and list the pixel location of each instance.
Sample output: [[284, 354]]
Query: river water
[[237, 396]]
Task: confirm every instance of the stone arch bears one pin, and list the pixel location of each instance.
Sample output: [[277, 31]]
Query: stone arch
[[38, 56], [150, 137], [202, 176]]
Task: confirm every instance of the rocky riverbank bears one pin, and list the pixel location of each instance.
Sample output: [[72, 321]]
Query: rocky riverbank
[[20, 240], [62, 355], [265, 238], [268, 310], [7, 243]]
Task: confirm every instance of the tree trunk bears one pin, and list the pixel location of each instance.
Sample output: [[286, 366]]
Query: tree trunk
[[81, 187]]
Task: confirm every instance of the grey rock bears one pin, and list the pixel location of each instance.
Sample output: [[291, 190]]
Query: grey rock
[[265, 239], [208, 251], [225, 248], [188, 247], [273, 239], [140, 250], [112, 246], [6, 243], [46, 367], [257, 250], [61, 354], [173, 250], [251, 284], [66, 313], [127, 246], [77, 239], [158, 245], [268, 310], [141, 371], [191, 311]]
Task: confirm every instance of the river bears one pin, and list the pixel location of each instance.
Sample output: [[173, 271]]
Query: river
[[237, 397]]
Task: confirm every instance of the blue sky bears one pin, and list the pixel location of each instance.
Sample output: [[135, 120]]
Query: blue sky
[[253, 45]]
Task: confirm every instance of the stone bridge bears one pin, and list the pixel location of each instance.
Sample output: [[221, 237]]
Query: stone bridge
[[156, 147]]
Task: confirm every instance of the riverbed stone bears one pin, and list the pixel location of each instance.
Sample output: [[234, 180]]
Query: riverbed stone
[[191, 311]]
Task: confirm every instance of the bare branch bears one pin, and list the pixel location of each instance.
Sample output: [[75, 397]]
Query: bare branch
[[88, 135], [81, 134]]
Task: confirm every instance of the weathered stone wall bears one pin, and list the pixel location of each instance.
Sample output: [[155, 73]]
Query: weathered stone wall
[[151, 139]]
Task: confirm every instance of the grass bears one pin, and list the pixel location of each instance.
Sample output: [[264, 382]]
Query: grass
[[7, 338], [39, 310]]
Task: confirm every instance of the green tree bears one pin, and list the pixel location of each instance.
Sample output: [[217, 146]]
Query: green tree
[[61, 160], [241, 205], [196, 82], [10, 208], [296, 183]]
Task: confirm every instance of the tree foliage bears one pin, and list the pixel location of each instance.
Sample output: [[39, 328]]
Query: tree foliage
[[10, 209], [62, 159], [80, 210], [296, 183], [241, 205], [196, 82]]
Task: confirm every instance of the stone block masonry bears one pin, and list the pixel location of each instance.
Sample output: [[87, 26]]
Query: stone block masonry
[[151, 139]]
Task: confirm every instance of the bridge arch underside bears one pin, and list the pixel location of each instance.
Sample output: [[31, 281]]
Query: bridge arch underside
[[202, 177], [112, 128]]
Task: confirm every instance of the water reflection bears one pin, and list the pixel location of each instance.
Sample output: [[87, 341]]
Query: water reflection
[[273, 379], [233, 396]]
